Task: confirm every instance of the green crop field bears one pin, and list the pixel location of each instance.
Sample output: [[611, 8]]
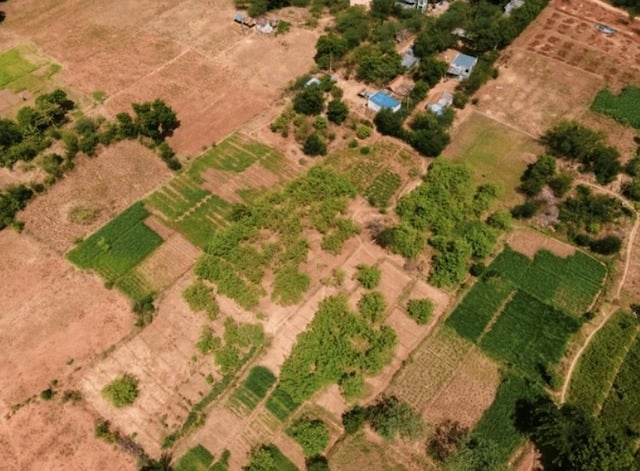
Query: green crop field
[[529, 335], [478, 307], [596, 370], [497, 423], [494, 152], [197, 458], [280, 404], [254, 388], [568, 283], [621, 410], [116, 248], [201, 223], [624, 107], [385, 185], [13, 67]]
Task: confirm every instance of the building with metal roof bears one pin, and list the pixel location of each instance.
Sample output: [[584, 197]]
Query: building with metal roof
[[381, 100], [462, 66]]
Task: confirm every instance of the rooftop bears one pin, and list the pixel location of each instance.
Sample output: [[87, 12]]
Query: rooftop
[[464, 61], [384, 101]]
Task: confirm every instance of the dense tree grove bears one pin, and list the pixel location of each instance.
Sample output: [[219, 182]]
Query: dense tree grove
[[388, 416], [12, 200]]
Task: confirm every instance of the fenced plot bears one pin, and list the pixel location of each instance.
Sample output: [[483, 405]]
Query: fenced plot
[[529, 335], [601, 360], [117, 248], [478, 307]]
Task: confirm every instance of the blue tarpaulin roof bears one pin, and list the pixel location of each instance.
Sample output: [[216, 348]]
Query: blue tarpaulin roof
[[384, 101]]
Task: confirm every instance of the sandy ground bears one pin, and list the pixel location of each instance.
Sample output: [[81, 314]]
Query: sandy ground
[[106, 184]]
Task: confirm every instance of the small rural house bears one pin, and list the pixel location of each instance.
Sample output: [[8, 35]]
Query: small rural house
[[512, 5], [444, 101], [381, 100], [411, 4], [462, 66], [408, 59]]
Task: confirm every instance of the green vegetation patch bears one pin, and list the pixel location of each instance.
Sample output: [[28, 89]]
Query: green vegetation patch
[[621, 410], [254, 388], [320, 357], [385, 185], [197, 458], [530, 335], [497, 427], [569, 283], [116, 248], [494, 153], [13, 67], [479, 306], [311, 434], [598, 365], [122, 391], [281, 404], [624, 107], [269, 457]]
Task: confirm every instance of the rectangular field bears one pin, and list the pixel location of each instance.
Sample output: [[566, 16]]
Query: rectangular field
[[281, 404], [479, 306], [596, 370], [569, 283], [116, 248], [529, 335], [621, 410], [253, 389], [13, 67]]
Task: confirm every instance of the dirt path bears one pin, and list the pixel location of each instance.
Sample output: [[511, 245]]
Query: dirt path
[[610, 309]]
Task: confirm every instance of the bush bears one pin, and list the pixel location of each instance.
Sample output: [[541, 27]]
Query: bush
[[309, 100], [354, 419], [314, 145], [122, 391], [608, 245], [420, 310], [372, 306], [311, 434], [337, 111], [525, 210], [368, 276], [351, 386], [390, 418], [500, 220], [446, 439], [362, 132]]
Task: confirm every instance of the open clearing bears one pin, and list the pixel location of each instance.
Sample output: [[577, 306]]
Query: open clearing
[[496, 153], [188, 52], [555, 68]]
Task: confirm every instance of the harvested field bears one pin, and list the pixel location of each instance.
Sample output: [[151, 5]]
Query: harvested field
[[98, 189], [469, 393], [355, 453], [52, 436], [53, 318], [160, 357]]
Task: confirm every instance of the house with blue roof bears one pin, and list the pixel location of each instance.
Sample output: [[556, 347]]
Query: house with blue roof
[[381, 100], [462, 66]]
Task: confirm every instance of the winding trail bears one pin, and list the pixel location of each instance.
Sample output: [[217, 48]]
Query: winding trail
[[609, 309]]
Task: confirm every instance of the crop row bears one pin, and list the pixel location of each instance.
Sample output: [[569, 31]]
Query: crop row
[[601, 360], [623, 107], [530, 335], [281, 404], [478, 307], [200, 224], [383, 188], [254, 388]]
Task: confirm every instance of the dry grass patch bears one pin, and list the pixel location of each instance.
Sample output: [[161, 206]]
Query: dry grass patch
[[529, 242]]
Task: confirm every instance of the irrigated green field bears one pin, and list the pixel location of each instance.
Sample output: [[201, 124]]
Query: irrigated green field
[[117, 248], [253, 389], [624, 107]]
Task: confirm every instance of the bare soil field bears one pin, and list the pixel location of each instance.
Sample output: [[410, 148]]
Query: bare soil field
[[214, 73], [555, 68], [528, 242], [97, 190], [53, 436], [53, 318]]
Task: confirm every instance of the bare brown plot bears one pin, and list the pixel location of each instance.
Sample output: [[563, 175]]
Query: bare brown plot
[[468, 394], [103, 186], [53, 318], [52, 436], [528, 242]]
